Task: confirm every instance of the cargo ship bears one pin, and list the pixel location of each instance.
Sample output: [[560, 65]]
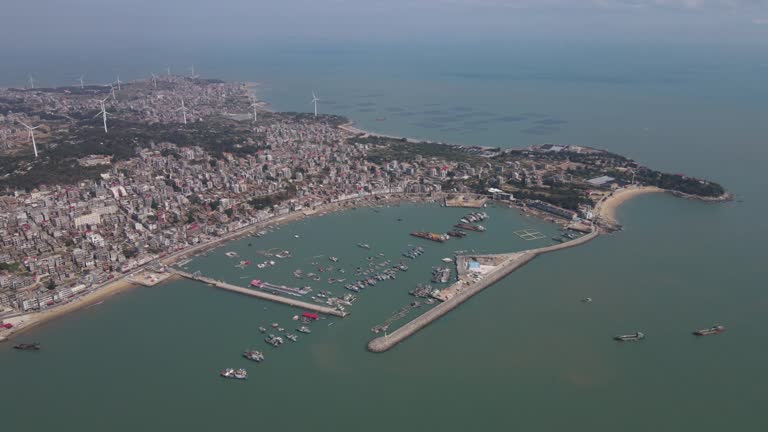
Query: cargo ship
[[710, 331], [637, 336], [478, 228], [431, 236]]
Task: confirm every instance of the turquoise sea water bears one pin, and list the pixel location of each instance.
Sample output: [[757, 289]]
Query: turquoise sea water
[[524, 354]]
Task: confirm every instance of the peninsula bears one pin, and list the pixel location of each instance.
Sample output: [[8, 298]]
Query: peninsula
[[99, 183]]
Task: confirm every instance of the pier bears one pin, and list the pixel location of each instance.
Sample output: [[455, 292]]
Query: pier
[[507, 263], [262, 295]]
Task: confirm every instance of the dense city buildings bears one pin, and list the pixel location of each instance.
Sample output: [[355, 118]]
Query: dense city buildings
[[180, 162]]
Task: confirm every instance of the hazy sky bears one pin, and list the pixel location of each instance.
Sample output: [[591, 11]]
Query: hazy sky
[[64, 23]]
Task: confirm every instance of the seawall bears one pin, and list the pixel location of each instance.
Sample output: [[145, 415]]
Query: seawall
[[384, 343], [263, 295]]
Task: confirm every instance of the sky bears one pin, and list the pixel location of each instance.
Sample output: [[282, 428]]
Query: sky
[[63, 25]]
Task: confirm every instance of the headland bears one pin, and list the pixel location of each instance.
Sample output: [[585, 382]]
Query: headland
[[143, 189]]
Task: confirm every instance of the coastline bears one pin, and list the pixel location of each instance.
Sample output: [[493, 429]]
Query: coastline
[[24, 322], [28, 321], [605, 210]]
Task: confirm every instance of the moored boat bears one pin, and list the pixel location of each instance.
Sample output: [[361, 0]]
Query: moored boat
[[240, 374], [254, 355]]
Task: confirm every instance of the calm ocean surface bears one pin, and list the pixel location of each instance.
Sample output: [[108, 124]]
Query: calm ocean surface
[[525, 354]]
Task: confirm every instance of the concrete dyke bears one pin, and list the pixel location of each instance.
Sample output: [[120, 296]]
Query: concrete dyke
[[516, 260], [262, 295]]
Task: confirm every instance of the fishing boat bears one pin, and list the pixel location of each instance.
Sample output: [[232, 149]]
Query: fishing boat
[[254, 355], [27, 346], [637, 336], [240, 374], [716, 329]]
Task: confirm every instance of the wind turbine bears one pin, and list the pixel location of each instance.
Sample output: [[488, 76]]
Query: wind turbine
[[31, 135], [154, 79], [31, 81], [118, 82], [183, 110], [81, 81], [314, 101], [103, 112], [168, 71], [192, 68], [112, 90], [254, 105]]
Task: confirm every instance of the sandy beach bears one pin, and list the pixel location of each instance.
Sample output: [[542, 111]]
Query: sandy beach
[[606, 209], [27, 321]]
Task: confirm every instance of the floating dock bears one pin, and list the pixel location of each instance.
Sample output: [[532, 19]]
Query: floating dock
[[262, 295]]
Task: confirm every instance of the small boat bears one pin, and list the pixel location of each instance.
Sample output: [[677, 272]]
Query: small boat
[[275, 325], [291, 337], [364, 245], [280, 329], [716, 329], [586, 300], [262, 329], [27, 346], [447, 260], [637, 336], [240, 374], [334, 259], [254, 355], [304, 329]]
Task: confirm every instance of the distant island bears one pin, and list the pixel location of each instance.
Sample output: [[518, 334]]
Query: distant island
[[98, 182]]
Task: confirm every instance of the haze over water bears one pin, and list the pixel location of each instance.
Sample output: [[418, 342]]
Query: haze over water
[[523, 354]]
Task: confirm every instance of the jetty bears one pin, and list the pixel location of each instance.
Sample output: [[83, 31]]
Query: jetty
[[259, 294], [455, 295]]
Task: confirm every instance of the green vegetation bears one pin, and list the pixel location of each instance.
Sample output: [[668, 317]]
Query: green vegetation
[[12, 267], [388, 149]]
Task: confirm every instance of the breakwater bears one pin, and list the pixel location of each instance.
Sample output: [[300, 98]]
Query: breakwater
[[262, 295], [512, 263]]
